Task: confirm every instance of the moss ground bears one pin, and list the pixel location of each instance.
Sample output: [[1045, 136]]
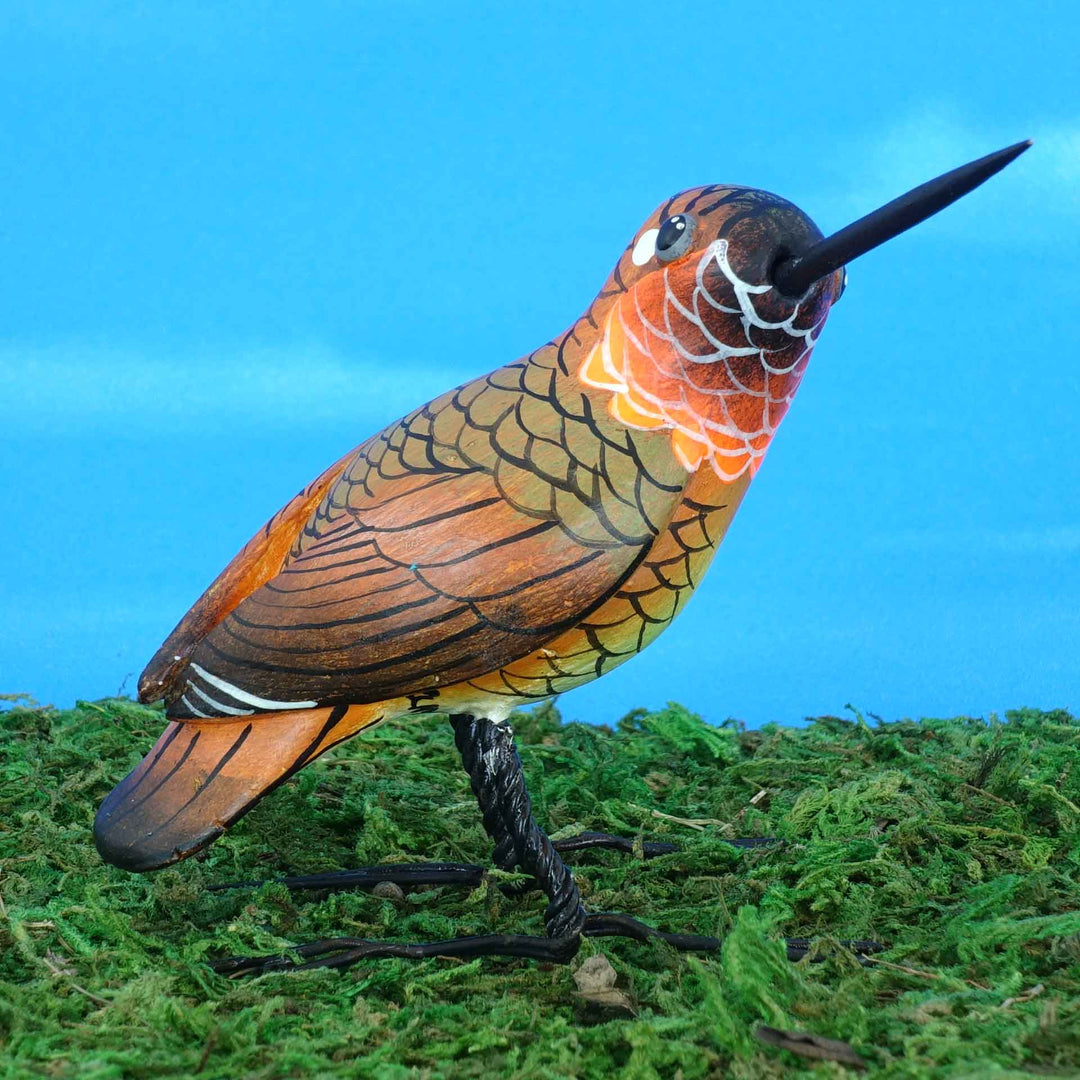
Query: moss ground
[[956, 842]]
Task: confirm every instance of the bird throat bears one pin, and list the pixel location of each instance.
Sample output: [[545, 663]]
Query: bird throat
[[716, 360]]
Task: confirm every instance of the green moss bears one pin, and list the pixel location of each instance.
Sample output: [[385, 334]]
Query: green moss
[[957, 842]]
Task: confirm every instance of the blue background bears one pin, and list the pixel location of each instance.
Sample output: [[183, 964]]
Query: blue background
[[237, 239]]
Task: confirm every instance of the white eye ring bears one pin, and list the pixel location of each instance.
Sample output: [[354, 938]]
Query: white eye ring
[[645, 248]]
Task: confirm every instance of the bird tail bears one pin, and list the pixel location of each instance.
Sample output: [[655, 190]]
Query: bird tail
[[201, 777]]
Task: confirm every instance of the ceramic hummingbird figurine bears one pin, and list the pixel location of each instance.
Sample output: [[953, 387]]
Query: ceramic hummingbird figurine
[[512, 539]]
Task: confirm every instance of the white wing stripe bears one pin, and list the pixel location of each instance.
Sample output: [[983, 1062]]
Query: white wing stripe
[[198, 712], [245, 697], [228, 710]]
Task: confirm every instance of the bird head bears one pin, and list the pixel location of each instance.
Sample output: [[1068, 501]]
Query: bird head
[[708, 321]]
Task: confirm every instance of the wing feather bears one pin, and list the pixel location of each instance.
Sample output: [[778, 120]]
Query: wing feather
[[256, 563], [452, 543]]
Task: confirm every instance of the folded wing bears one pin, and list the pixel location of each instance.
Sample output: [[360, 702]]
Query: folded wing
[[454, 542]]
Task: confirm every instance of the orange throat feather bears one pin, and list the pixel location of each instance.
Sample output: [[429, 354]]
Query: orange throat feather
[[689, 350]]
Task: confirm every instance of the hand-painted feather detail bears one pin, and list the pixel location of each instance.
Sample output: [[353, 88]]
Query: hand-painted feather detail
[[219, 707], [511, 539], [200, 777], [514, 538], [502, 515], [187, 708], [258, 561], [686, 349], [247, 698], [201, 704], [455, 541]]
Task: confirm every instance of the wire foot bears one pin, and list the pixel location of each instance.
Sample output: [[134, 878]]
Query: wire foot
[[404, 875], [494, 767]]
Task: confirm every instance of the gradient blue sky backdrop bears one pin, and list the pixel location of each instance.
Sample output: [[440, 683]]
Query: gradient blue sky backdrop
[[212, 285]]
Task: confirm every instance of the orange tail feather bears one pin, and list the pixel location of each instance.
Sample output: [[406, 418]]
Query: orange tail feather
[[201, 777]]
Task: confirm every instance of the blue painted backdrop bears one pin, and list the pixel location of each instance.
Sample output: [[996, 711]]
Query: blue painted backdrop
[[212, 285]]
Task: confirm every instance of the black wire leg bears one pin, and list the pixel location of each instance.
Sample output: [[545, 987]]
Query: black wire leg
[[341, 952], [498, 782], [494, 767], [404, 875], [467, 875], [419, 875]]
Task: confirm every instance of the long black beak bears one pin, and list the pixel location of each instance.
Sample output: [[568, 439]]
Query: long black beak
[[795, 274]]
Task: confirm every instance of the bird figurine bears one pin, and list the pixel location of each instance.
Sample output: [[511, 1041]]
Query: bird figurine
[[510, 540]]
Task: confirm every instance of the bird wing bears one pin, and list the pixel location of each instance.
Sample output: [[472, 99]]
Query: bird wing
[[256, 563], [455, 541]]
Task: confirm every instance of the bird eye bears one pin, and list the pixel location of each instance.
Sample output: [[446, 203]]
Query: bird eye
[[675, 236]]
